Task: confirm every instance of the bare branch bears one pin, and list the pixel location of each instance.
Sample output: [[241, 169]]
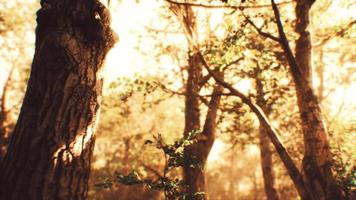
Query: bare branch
[[231, 7], [296, 73], [173, 92], [341, 32], [204, 80], [168, 90], [233, 63], [151, 169], [260, 31]]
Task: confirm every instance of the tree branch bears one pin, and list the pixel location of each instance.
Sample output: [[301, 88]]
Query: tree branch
[[234, 62], [292, 169], [296, 73], [151, 169], [341, 32], [260, 31], [223, 6]]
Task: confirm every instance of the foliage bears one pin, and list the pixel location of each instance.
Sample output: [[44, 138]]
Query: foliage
[[174, 189], [344, 165], [128, 86], [134, 107]]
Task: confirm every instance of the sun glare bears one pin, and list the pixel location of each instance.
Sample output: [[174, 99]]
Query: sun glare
[[128, 21]]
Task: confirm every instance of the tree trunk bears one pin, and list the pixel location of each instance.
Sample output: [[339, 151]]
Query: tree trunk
[[194, 177], [50, 150], [317, 159], [11, 100], [265, 143], [5, 122], [272, 133], [266, 164]]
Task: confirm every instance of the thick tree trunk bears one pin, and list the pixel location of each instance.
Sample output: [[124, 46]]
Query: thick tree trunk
[[317, 159], [265, 144], [194, 177], [51, 147]]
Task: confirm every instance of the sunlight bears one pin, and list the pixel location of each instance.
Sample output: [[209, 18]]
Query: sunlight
[[215, 156], [128, 21], [148, 78], [245, 186], [244, 86]]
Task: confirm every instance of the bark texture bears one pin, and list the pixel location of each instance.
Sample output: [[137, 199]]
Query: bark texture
[[194, 177], [316, 165], [317, 159], [51, 147]]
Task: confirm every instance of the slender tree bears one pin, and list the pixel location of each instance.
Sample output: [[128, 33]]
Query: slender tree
[[50, 150], [264, 141], [194, 177]]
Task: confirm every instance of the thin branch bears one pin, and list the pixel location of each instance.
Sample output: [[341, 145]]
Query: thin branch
[[164, 88], [204, 100], [234, 62], [153, 170], [164, 30], [231, 7], [204, 80], [260, 31], [168, 90], [341, 32], [296, 73], [292, 169]]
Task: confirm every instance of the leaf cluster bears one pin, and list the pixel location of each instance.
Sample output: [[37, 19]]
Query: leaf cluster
[[129, 86], [174, 189]]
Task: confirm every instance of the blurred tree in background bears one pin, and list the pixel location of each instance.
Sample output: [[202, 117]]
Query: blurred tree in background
[[16, 29]]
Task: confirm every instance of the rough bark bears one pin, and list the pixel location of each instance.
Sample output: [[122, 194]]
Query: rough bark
[[317, 159], [316, 165], [265, 143], [50, 150]]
